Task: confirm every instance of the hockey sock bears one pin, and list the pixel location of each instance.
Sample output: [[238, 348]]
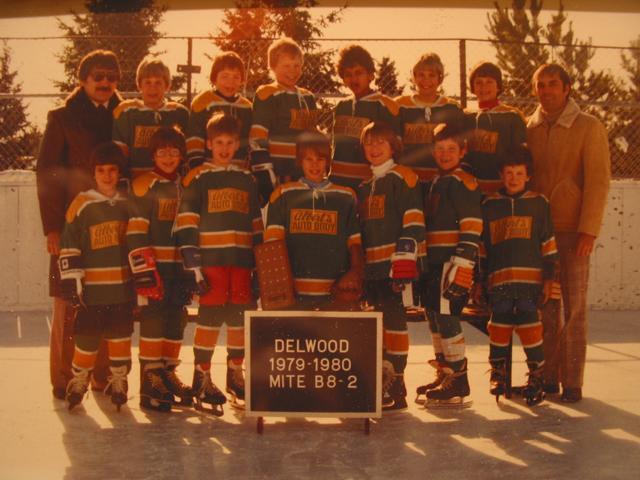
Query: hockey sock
[[119, 352], [396, 348]]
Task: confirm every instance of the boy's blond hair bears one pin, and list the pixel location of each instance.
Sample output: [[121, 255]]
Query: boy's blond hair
[[431, 61], [284, 45], [152, 67]]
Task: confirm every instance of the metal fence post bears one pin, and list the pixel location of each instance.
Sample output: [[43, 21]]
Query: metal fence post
[[463, 73], [189, 63]]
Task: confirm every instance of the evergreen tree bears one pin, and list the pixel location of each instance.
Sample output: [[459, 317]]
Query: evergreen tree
[[19, 139], [387, 78], [109, 18]]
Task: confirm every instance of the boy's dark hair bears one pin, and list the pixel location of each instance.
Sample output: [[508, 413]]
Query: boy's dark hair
[[226, 60], [551, 69], [518, 155], [168, 137], [430, 60], [450, 131], [97, 58], [313, 140], [107, 153], [383, 130], [353, 55], [486, 69], [221, 123]]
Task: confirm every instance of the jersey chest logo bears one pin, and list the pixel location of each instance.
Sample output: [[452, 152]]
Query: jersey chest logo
[[303, 119], [304, 220], [373, 207], [350, 126], [107, 234], [228, 200], [484, 141], [143, 135], [509, 228], [418, 133], [167, 208]]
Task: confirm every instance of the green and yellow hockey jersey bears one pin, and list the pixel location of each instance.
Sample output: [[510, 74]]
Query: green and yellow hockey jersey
[[519, 246], [153, 206], [390, 207], [319, 226], [203, 107], [349, 167], [134, 124], [95, 231], [220, 213], [492, 134], [454, 218], [279, 116], [418, 120]]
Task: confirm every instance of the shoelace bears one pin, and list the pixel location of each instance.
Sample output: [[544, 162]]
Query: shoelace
[[118, 380], [79, 383]]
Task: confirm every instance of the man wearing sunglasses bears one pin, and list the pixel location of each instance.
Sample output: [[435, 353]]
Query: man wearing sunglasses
[[63, 170]]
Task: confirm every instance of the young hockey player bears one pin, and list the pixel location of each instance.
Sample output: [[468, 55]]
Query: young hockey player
[[319, 222], [520, 267], [495, 127], [421, 112], [95, 277], [393, 233], [227, 77], [157, 272], [454, 225], [356, 69], [281, 111], [135, 121], [218, 224]]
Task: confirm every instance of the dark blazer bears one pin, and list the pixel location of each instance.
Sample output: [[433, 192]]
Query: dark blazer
[[63, 169]]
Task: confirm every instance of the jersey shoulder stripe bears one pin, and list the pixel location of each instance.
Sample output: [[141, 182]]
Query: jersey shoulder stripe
[[125, 105], [408, 175], [144, 182], [195, 173], [265, 91], [466, 178]]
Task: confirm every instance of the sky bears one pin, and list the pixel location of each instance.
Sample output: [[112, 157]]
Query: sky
[[37, 66]]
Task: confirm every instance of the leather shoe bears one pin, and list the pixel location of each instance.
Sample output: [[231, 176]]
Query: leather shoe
[[571, 395]]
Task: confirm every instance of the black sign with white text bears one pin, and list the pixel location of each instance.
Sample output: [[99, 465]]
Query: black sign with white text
[[313, 363]]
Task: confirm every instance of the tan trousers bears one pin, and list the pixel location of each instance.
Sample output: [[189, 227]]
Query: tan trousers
[[565, 339]]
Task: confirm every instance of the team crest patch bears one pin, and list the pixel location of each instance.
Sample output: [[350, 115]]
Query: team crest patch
[[143, 135], [418, 133], [228, 200], [167, 208], [350, 126], [304, 119], [510, 227], [483, 141], [373, 207], [303, 220], [107, 234]]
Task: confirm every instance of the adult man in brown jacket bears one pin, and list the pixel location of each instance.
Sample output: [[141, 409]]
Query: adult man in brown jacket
[[63, 170], [573, 169]]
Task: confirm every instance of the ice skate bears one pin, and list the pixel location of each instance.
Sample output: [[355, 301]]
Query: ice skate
[[398, 395], [497, 382], [117, 386], [235, 385], [77, 387], [452, 392], [533, 391], [154, 394], [205, 392], [422, 390], [388, 375], [182, 393]]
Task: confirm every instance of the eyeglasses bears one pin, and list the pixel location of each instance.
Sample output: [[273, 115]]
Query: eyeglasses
[[168, 152], [99, 76]]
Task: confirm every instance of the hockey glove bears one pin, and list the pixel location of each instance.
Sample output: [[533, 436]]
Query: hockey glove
[[457, 277], [192, 262], [71, 275], [403, 261], [146, 278], [263, 172]]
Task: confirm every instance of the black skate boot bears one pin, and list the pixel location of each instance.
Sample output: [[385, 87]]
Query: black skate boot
[[175, 386], [77, 387], [154, 394], [235, 385], [205, 391], [452, 392], [422, 390], [117, 385], [398, 393], [388, 375], [497, 382], [533, 391]]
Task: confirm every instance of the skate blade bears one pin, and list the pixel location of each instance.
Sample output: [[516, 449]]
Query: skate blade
[[215, 410], [453, 403], [420, 399]]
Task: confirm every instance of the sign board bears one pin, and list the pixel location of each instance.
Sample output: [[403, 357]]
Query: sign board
[[313, 364]]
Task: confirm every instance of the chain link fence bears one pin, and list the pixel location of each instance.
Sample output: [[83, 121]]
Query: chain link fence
[[23, 114]]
